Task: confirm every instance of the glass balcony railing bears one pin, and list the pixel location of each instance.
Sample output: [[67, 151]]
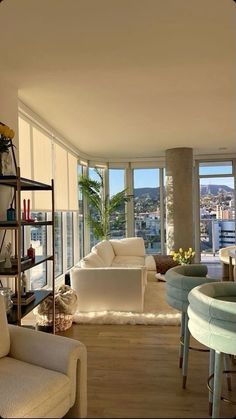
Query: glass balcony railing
[[216, 234]]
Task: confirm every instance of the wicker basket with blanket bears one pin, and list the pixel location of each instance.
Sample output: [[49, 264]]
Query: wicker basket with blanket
[[66, 300]]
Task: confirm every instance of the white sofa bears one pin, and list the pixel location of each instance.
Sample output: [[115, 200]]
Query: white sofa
[[113, 276]]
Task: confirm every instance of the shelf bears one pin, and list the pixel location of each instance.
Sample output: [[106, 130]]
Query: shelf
[[40, 295], [18, 185], [11, 225], [13, 271], [25, 184]]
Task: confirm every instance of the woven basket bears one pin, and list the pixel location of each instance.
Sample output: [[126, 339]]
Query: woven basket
[[62, 321]]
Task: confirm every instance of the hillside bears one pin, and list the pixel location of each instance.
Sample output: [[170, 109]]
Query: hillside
[[154, 193], [215, 189]]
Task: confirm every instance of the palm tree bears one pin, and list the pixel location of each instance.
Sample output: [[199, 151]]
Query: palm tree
[[103, 205]]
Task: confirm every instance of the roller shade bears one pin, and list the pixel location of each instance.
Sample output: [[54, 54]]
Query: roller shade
[[25, 153], [72, 182], [60, 178], [42, 169]]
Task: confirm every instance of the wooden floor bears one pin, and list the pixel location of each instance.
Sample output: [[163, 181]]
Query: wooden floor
[[133, 372]]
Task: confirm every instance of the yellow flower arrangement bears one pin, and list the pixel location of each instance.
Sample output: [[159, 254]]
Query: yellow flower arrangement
[[6, 135], [183, 257]]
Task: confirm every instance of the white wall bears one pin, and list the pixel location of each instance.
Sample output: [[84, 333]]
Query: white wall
[[9, 116]]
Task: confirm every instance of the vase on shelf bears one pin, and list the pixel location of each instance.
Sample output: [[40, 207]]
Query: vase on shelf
[[5, 164]]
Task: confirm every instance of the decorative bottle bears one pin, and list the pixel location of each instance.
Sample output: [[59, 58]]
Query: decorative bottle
[[11, 214], [31, 252]]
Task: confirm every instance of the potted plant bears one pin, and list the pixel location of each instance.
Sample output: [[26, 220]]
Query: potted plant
[[6, 135], [101, 205]]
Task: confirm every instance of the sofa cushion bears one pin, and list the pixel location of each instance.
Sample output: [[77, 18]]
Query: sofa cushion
[[128, 261], [132, 246], [92, 260], [4, 332], [105, 251], [31, 391]]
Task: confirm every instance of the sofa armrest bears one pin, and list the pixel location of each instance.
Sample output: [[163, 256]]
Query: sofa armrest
[[57, 353]]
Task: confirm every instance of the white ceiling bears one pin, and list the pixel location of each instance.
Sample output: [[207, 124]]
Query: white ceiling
[[126, 78]]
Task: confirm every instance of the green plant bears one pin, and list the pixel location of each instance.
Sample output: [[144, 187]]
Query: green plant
[[101, 205]]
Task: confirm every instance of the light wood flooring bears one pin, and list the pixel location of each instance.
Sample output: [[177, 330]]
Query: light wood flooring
[[133, 372]]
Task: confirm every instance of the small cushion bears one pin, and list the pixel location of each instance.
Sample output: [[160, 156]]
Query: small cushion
[[105, 251], [4, 332], [92, 260], [132, 246], [31, 391], [128, 261]]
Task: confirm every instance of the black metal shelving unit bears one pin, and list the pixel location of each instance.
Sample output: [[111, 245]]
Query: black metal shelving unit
[[20, 184]]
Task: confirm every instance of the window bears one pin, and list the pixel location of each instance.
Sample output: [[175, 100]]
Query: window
[[118, 219], [69, 240], [93, 175], [38, 239], [58, 244], [217, 206], [147, 214], [215, 168], [81, 214]]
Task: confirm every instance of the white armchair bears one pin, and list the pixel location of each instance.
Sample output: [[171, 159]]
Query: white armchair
[[224, 258], [41, 375]]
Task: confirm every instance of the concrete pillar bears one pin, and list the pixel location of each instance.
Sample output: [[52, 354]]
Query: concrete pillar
[[179, 198]]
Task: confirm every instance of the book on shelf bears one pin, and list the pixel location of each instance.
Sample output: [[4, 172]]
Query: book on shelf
[[25, 299]]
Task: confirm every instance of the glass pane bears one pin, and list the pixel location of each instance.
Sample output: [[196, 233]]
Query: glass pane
[[93, 212], [38, 239], [117, 219], [38, 276], [217, 214], [69, 240], [58, 244], [147, 208], [81, 215], [216, 168]]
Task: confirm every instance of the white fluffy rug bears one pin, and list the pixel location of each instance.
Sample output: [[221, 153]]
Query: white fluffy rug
[[156, 311]]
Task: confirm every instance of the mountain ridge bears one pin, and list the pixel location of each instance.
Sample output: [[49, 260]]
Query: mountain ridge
[[154, 193]]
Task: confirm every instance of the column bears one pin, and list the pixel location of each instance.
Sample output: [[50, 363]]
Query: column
[[179, 198]]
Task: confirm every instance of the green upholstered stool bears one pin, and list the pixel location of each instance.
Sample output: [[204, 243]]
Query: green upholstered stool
[[212, 321], [180, 280]]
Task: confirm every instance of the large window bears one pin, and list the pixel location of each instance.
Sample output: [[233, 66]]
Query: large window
[[69, 240], [217, 206], [147, 214], [118, 219], [58, 244]]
